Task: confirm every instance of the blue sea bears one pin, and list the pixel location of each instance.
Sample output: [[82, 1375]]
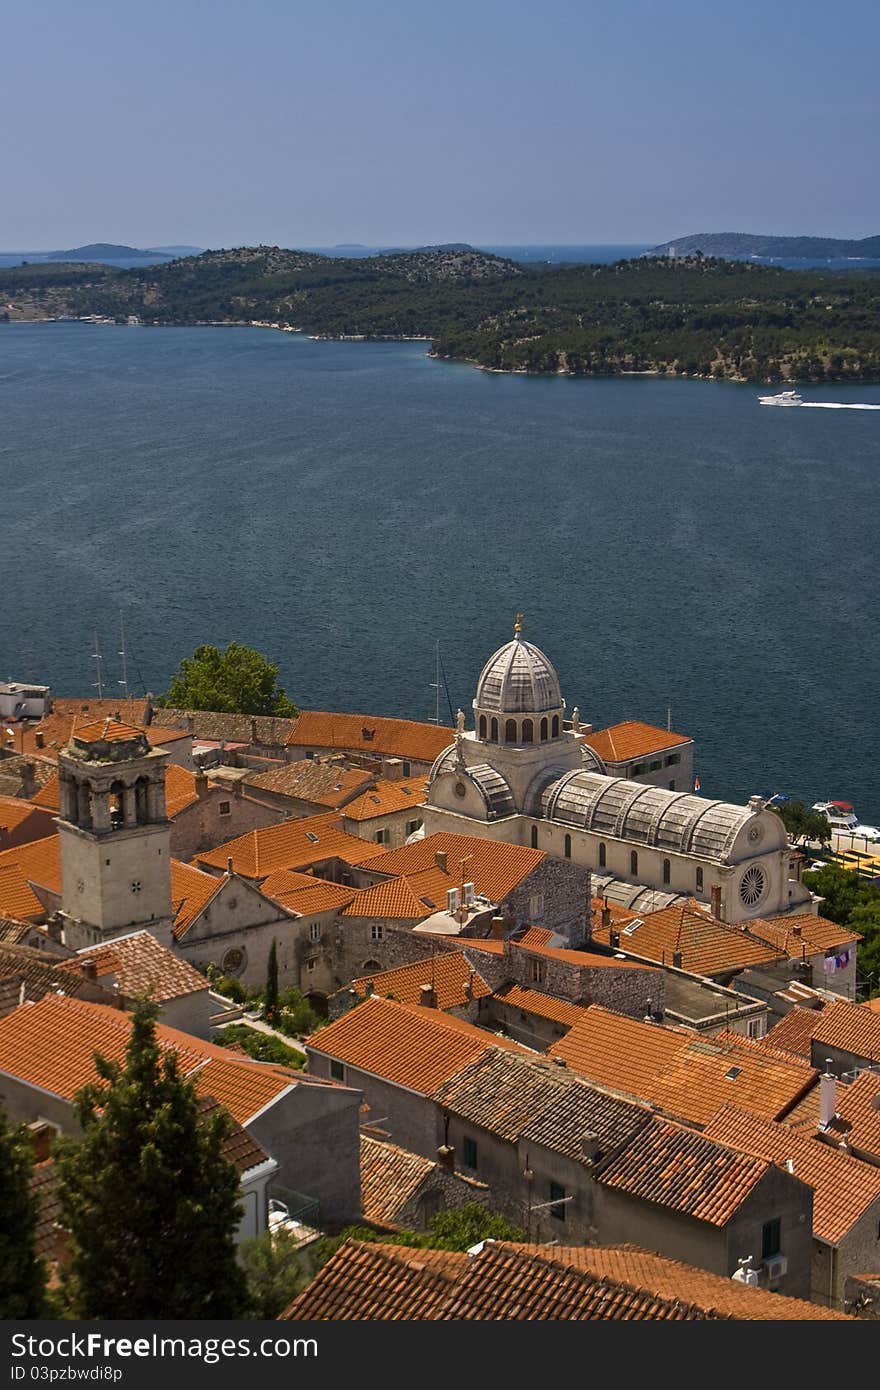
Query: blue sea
[[343, 506]]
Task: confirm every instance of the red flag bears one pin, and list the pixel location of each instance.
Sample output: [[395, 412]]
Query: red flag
[[696, 784]]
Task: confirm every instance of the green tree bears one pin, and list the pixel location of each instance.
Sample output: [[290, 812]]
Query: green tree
[[148, 1197], [803, 823], [22, 1273], [237, 681], [270, 1006], [275, 1271], [457, 1229]]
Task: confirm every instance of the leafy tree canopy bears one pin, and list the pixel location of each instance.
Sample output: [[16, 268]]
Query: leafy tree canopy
[[458, 1229], [802, 823], [22, 1274], [147, 1195], [855, 903], [237, 681], [275, 1271]]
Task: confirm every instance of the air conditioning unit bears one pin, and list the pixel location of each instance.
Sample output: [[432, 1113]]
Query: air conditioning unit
[[452, 903], [469, 894], [776, 1266]]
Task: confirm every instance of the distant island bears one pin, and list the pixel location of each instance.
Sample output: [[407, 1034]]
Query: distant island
[[701, 317], [740, 245], [105, 252]]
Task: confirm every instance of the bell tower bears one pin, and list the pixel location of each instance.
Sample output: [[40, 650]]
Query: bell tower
[[114, 835]]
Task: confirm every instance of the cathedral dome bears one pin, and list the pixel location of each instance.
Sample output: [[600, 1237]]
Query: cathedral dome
[[518, 679]]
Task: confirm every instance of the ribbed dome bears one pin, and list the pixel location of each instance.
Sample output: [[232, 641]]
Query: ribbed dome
[[518, 679]]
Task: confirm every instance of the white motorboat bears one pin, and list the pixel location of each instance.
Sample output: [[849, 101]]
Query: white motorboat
[[784, 398]]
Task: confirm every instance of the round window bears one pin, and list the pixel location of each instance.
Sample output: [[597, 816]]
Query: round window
[[233, 961], [460, 789], [752, 885], [756, 833]]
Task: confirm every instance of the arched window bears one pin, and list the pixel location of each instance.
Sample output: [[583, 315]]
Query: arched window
[[142, 810], [699, 880], [568, 846], [493, 734], [602, 855], [510, 731], [482, 726], [633, 862], [556, 726], [534, 837], [544, 727], [528, 732], [117, 804], [667, 870]]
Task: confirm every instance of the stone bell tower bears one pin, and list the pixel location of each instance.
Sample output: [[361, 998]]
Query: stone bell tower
[[114, 835]]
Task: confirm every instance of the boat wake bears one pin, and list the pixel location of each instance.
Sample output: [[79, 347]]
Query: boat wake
[[837, 405]]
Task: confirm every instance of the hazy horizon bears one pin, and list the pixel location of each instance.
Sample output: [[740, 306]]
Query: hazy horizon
[[408, 124]]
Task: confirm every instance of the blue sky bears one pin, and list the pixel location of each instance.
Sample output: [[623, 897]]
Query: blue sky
[[384, 121]]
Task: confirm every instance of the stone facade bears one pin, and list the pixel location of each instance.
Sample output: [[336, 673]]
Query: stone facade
[[220, 814], [235, 931]]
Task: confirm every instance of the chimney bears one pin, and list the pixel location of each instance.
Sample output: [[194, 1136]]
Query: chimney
[[428, 997], [53, 929], [676, 960], [559, 1061], [39, 739], [789, 1166], [798, 929], [229, 869], [41, 1136], [827, 1095], [28, 781], [716, 901], [446, 1157], [89, 968], [369, 989], [392, 769], [590, 1146], [496, 929], [606, 915], [254, 737], [440, 856], [201, 785]]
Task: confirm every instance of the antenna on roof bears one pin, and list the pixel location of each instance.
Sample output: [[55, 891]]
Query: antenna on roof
[[96, 657], [124, 681], [668, 718]]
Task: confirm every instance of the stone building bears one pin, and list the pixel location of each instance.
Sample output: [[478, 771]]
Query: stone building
[[521, 775]]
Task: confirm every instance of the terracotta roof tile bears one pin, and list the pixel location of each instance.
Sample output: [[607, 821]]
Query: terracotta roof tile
[[857, 1114], [687, 1076], [535, 936], [632, 739], [851, 1029], [384, 799], [305, 893], [449, 972], [214, 726], [529, 1283], [293, 844], [365, 733], [844, 1188], [390, 1177], [534, 1002], [239, 1147], [794, 1031], [37, 970], [495, 868], [52, 1044], [106, 731], [323, 784], [413, 1046], [191, 891], [676, 1168], [131, 711], [708, 947], [17, 898], [15, 813], [584, 960], [139, 964], [790, 934]]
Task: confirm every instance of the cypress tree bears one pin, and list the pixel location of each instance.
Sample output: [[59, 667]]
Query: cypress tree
[[271, 1006], [147, 1195], [22, 1274]]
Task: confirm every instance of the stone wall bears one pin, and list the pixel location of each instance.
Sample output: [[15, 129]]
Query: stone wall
[[556, 894], [219, 815], [313, 1133]]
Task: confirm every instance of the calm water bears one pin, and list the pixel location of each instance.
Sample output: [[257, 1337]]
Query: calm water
[[341, 506]]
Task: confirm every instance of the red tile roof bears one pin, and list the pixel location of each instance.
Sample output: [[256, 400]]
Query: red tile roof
[[707, 946], [449, 972], [687, 1076], [584, 960], [390, 1178], [849, 1028], [409, 1045], [619, 743], [385, 799], [674, 1167], [52, 1045], [141, 965], [530, 1283], [191, 891], [365, 733], [306, 894], [794, 1031], [293, 844], [791, 934], [322, 784], [106, 731], [495, 868], [532, 1001], [844, 1188], [17, 899]]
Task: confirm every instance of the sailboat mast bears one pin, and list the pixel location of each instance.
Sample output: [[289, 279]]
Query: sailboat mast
[[122, 653], [96, 657]]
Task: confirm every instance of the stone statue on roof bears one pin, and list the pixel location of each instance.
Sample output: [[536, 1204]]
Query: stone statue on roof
[[459, 723]]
